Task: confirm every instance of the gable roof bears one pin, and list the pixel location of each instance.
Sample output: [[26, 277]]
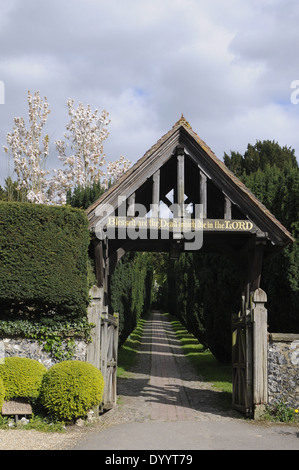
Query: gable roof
[[182, 134]]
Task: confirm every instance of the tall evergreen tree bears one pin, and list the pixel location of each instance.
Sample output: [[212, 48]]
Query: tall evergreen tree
[[271, 172]]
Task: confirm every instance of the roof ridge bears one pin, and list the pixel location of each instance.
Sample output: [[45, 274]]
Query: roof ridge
[[182, 122]]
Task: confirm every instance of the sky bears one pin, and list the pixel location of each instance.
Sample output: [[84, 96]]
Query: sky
[[226, 65]]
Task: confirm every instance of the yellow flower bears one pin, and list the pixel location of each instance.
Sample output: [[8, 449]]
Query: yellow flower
[[296, 411]]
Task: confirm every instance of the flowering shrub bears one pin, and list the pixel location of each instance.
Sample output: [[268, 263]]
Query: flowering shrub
[[30, 150], [83, 166]]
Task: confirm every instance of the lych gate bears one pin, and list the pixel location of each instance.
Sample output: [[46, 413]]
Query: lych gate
[[180, 197]]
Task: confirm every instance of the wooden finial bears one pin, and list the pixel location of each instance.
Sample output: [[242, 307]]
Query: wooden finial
[[182, 121]]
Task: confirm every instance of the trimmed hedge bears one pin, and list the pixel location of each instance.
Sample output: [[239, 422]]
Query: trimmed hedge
[[131, 290], [43, 259], [2, 393], [71, 388], [22, 377]]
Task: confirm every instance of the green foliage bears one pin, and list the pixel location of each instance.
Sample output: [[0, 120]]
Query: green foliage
[[22, 377], [272, 174], [127, 354], [2, 393], [56, 334], [131, 287], [281, 412], [83, 197], [184, 302], [278, 189], [43, 260], [207, 366], [71, 388], [206, 308], [257, 157], [10, 192]]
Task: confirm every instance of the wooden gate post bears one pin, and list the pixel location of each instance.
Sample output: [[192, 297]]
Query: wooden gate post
[[94, 316], [260, 349]]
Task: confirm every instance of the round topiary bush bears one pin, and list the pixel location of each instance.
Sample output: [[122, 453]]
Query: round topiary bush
[[22, 377], [2, 393], [71, 388]]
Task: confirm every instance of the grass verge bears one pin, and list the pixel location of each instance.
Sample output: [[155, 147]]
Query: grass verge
[[36, 422], [203, 361], [127, 353]]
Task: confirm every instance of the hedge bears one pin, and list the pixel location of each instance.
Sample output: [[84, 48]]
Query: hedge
[[43, 259], [70, 388], [131, 290], [22, 377], [2, 393]]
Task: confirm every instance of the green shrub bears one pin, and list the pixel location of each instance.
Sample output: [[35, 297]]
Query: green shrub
[[281, 412], [43, 259], [22, 377], [2, 393], [131, 290], [71, 388]]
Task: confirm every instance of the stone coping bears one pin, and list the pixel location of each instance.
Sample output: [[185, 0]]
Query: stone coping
[[283, 337]]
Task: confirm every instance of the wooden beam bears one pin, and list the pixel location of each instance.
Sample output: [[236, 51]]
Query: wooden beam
[[131, 205], [227, 208], [156, 194], [203, 193], [180, 178], [106, 280], [249, 265], [99, 264], [114, 259], [256, 266], [166, 201]]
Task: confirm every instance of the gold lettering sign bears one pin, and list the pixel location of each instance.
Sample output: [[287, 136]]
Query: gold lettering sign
[[217, 225]]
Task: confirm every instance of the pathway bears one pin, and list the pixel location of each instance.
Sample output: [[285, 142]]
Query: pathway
[[164, 405], [164, 386], [171, 397]]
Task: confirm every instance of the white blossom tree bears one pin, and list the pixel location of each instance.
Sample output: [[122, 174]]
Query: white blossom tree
[[115, 170], [82, 154], [30, 150], [86, 134]]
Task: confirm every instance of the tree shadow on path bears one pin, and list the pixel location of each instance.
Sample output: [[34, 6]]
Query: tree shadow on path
[[165, 381]]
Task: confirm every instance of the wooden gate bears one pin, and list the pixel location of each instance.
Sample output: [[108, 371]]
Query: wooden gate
[[242, 340], [102, 350], [108, 357], [249, 356]]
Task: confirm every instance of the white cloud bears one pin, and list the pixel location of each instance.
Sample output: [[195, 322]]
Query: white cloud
[[226, 65]]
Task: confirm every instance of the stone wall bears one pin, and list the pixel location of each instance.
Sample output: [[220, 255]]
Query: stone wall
[[34, 350], [283, 369]]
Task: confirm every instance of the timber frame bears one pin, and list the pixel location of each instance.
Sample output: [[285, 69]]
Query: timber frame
[[233, 220]]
